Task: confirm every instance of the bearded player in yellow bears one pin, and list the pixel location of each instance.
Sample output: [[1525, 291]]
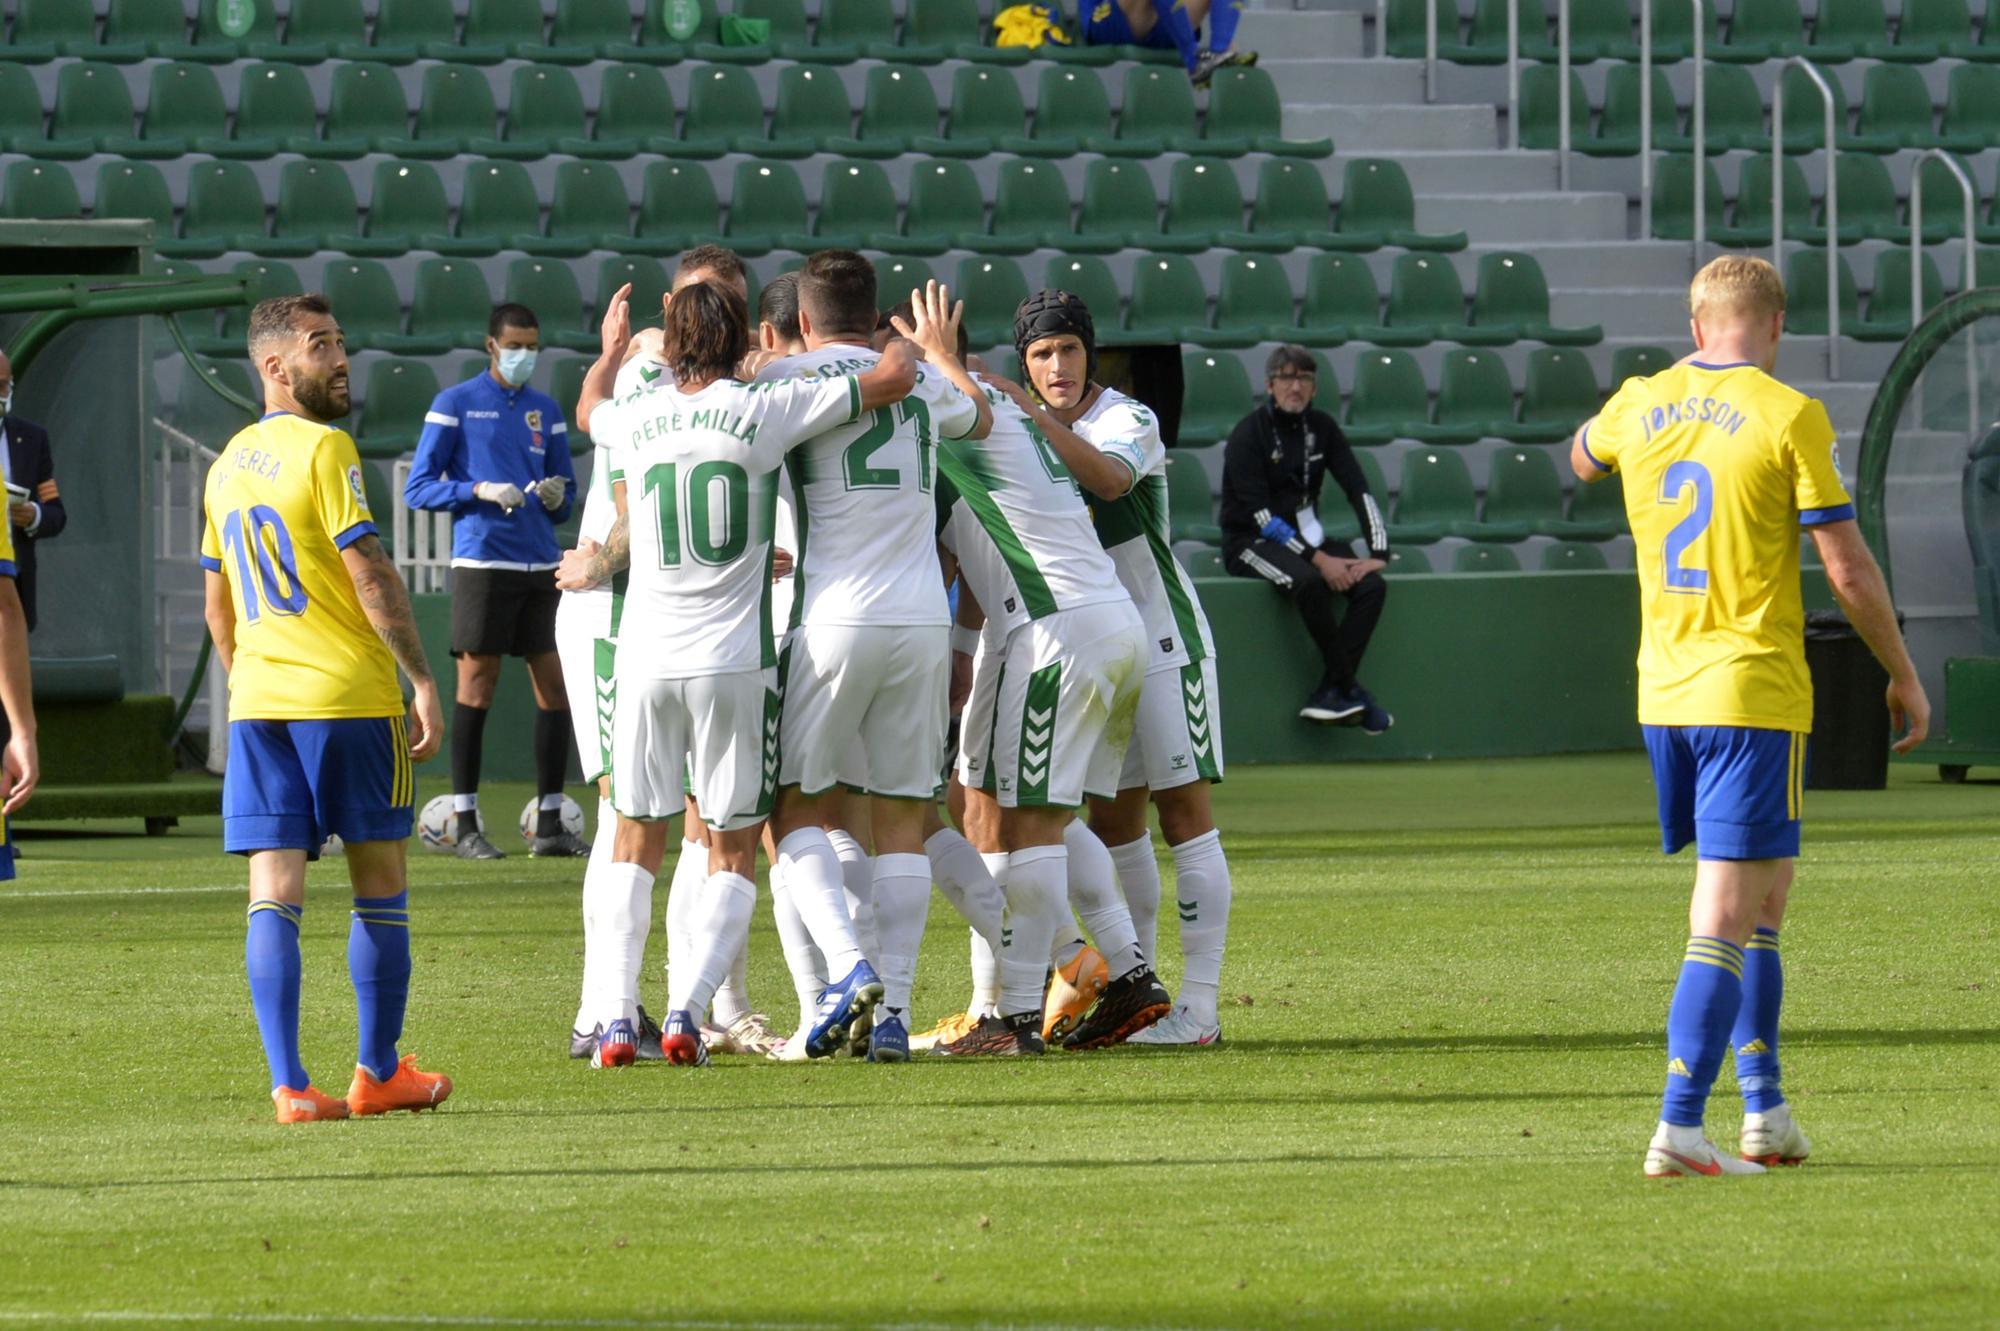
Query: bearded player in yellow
[[1722, 466], [311, 620]]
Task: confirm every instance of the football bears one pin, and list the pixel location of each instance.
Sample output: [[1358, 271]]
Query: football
[[434, 825], [572, 817]]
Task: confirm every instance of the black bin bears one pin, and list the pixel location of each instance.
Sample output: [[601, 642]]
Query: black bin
[[1850, 734]]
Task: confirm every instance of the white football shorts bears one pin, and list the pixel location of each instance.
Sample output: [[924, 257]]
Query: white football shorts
[[887, 687], [1179, 735], [588, 652], [719, 731]]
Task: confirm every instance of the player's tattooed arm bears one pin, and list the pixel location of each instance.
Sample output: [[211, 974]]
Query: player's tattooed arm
[[386, 602], [591, 565]]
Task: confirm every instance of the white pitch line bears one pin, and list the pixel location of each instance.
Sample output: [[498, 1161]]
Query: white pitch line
[[116, 1316], [118, 892]]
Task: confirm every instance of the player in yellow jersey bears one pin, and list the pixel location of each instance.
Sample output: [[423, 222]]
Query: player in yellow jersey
[[311, 620], [20, 766], [1722, 465]]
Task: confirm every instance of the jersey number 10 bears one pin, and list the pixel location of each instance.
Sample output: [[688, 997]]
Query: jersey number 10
[[704, 543], [267, 570]]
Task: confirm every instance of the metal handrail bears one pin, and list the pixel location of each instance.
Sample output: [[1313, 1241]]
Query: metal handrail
[[1562, 94], [1970, 194], [1431, 50], [422, 538], [1832, 197], [1514, 73], [1699, 127], [1381, 28]]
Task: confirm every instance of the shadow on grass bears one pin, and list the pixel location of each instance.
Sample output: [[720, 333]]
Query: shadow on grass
[[1545, 1044]]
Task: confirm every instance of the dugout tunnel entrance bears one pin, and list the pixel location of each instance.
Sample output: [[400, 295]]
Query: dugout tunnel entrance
[[1928, 497]]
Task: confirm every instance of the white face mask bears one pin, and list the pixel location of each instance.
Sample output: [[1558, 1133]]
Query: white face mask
[[6, 402], [516, 364]]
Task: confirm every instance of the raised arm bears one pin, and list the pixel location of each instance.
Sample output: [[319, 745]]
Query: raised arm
[[889, 380], [1857, 583], [1106, 477], [23, 757], [936, 331], [387, 604], [615, 339]]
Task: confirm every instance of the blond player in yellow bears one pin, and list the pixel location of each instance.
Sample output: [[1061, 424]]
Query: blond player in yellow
[[20, 765], [311, 620], [1722, 465]]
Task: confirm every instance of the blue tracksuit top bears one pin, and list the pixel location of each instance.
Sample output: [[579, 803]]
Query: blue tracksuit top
[[481, 430]]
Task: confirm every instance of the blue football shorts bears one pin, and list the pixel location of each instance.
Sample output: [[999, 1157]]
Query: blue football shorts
[[1733, 792], [291, 784], [1105, 24]]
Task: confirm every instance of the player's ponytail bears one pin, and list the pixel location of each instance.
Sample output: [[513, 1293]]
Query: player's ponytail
[[707, 333]]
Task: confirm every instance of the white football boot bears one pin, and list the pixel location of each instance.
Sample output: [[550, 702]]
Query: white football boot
[[1773, 1138], [1179, 1027], [1678, 1152]]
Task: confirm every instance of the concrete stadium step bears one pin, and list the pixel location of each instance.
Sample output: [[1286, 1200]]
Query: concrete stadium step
[[1305, 80], [1511, 217], [1301, 34], [1473, 172], [1626, 311], [1368, 126], [1588, 264]]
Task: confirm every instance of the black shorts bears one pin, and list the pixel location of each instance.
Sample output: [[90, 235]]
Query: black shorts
[[503, 611]]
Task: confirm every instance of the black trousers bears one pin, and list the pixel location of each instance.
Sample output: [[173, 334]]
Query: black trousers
[[1342, 639]]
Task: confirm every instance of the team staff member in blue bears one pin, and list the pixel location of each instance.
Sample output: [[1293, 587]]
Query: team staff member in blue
[[495, 455]]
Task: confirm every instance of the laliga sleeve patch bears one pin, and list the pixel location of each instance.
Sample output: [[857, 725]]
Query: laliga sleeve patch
[[360, 489]]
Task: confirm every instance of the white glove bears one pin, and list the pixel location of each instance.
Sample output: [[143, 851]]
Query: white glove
[[507, 495], [552, 490]]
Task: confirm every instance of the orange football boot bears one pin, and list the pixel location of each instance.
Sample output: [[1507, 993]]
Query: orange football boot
[[311, 1105], [409, 1087], [1071, 992]]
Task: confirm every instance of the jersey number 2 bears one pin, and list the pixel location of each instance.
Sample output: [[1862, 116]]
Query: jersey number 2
[[266, 569], [1681, 477]]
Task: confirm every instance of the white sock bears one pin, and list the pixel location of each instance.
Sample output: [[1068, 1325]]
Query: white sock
[[1093, 891], [813, 873], [857, 880], [1139, 880], [802, 958], [986, 952], [626, 916], [961, 874], [594, 942], [902, 892], [1037, 897], [465, 803], [1201, 890], [732, 997], [721, 922], [683, 889], [552, 800]]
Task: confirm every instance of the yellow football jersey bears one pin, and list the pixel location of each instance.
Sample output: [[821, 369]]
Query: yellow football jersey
[[1722, 465], [283, 500]]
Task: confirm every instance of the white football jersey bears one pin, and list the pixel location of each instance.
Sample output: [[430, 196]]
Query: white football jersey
[[599, 509], [1018, 524], [867, 519], [701, 482], [1136, 531]]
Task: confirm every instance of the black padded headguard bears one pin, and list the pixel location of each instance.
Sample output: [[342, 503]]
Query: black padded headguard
[[1047, 313]]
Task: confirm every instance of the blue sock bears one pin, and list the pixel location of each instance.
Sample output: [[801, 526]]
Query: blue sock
[[378, 961], [271, 957], [1222, 19], [1698, 1024], [1174, 18], [1755, 1035]]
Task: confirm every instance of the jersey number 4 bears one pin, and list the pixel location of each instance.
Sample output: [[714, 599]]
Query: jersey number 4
[[1682, 477], [713, 488], [267, 571]]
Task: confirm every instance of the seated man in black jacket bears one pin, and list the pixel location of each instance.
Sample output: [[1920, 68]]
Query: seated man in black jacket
[[1273, 466]]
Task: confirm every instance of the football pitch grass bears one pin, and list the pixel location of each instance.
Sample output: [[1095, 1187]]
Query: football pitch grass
[[1443, 1012]]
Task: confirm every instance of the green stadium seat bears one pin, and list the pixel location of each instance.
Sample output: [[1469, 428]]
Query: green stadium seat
[[260, 42], [275, 110], [407, 207], [456, 113], [1673, 33], [1243, 104], [1157, 107], [545, 112], [1596, 512], [992, 289], [1805, 117], [39, 191], [366, 106], [394, 399], [767, 209], [1868, 206], [1763, 30], [1627, 362], [268, 278], [1889, 294], [1944, 202], [1541, 110], [650, 284], [677, 204], [1484, 558], [317, 210], [1988, 45], [723, 108], [1408, 559], [945, 202], [404, 29], [1486, 37], [865, 26], [955, 28], [986, 111], [1378, 208], [899, 113], [1215, 395], [1512, 297], [44, 29], [789, 38], [566, 387], [548, 287], [1119, 210], [1601, 29], [1572, 557], [898, 275], [1253, 302], [1862, 27], [1090, 279], [93, 105], [1673, 198], [1896, 105], [635, 112], [1435, 493], [158, 27], [671, 28], [1341, 297], [371, 312], [1190, 503], [588, 210], [1475, 398], [1326, 388], [1944, 26], [1558, 393], [137, 189], [1205, 206], [1985, 274], [1390, 401], [1426, 303], [1523, 493], [498, 203], [451, 303], [224, 209], [1408, 34], [202, 412], [514, 28], [1972, 105], [1169, 302], [603, 27], [336, 27], [857, 207], [1618, 122], [812, 115], [1073, 113], [1030, 209], [1291, 207], [1751, 221], [184, 110], [21, 120], [1735, 111], [1205, 563]]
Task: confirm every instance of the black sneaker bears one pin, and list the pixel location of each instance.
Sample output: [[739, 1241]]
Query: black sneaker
[[1375, 718], [1330, 706], [471, 844], [649, 1039], [582, 1044], [563, 845], [1207, 62], [1131, 1003], [998, 1037]]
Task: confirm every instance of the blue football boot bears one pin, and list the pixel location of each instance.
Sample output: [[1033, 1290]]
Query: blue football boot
[[845, 1002], [889, 1041]]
